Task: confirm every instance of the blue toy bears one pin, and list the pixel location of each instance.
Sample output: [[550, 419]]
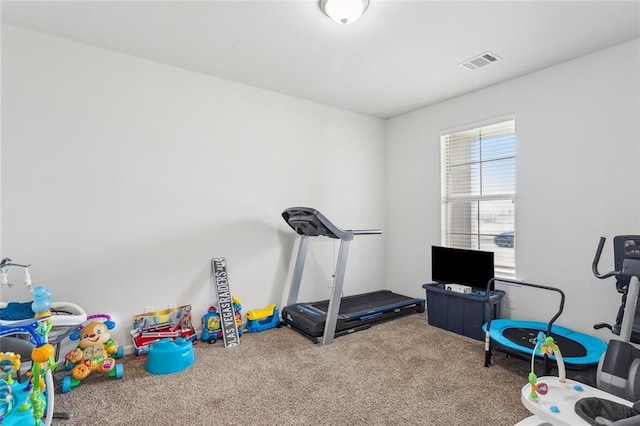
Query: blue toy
[[211, 330], [262, 319], [167, 356], [33, 403]]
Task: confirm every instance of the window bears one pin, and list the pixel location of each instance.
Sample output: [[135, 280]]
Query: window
[[478, 168]]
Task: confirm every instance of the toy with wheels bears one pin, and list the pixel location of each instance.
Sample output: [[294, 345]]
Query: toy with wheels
[[211, 330], [96, 352], [262, 319]]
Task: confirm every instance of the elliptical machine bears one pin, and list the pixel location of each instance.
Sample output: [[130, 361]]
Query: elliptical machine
[[619, 369], [616, 401]]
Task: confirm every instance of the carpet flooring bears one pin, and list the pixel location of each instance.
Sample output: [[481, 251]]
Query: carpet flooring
[[398, 372]]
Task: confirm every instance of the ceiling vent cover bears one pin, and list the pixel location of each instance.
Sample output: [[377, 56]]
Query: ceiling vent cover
[[481, 60]]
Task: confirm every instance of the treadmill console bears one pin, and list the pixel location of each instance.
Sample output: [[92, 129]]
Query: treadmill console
[[312, 223]]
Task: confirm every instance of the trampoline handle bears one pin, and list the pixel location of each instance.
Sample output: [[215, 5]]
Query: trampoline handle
[[526, 284], [596, 260], [549, 324]]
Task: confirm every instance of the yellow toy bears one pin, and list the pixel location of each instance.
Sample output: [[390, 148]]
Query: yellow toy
[[9, 364], [262, 319], [96, 352]]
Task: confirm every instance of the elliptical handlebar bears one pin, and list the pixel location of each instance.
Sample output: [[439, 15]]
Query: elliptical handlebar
[[596, 260]]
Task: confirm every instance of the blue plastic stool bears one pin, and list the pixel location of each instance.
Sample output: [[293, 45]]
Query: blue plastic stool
[[167, 356]]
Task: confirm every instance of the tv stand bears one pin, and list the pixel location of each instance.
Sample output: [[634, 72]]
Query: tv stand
[[480, 293], [459, 312]]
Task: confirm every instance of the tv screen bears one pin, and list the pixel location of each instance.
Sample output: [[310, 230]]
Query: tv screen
[[473, 268]]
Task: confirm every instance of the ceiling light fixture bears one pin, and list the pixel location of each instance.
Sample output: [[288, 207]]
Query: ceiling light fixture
[[344, 12]]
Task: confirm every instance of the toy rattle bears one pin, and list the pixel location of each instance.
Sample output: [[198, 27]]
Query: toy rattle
[[548, 347]]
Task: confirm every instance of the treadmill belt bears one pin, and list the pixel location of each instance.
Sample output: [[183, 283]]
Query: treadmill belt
[[356, 313], [366, 303]]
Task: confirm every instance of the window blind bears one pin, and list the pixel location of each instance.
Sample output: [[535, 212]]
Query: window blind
[[478, 195]]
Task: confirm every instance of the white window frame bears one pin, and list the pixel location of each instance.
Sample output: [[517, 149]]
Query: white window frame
[[448, 199]]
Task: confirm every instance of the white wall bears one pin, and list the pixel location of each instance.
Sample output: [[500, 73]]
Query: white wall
[[122, 178], [578, 145]]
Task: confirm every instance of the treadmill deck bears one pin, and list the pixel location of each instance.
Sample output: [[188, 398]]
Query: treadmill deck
[[356, 313]]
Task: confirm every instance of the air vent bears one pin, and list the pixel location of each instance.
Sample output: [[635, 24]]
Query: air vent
[[481, 60]]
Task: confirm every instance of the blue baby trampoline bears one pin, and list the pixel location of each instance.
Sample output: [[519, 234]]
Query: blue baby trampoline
[[580, 351]]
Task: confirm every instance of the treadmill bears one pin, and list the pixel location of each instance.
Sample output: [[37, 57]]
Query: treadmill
[[323, 321]]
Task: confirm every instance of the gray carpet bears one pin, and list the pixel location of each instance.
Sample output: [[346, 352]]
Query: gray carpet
[[399, 372]]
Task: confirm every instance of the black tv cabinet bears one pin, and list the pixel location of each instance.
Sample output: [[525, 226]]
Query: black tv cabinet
[[462, 313]]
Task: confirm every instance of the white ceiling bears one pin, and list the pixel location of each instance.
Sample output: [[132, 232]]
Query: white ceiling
[[400, 56]]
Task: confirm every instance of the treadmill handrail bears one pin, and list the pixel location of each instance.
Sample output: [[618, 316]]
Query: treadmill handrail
[[367, 231]]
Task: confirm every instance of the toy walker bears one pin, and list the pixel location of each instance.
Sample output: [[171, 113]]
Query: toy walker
[[96, 352]]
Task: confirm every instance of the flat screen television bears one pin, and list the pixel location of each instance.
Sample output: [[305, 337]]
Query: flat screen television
[[473, 268]]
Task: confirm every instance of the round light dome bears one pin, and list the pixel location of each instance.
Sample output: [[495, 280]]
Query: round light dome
[[344, 12]]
